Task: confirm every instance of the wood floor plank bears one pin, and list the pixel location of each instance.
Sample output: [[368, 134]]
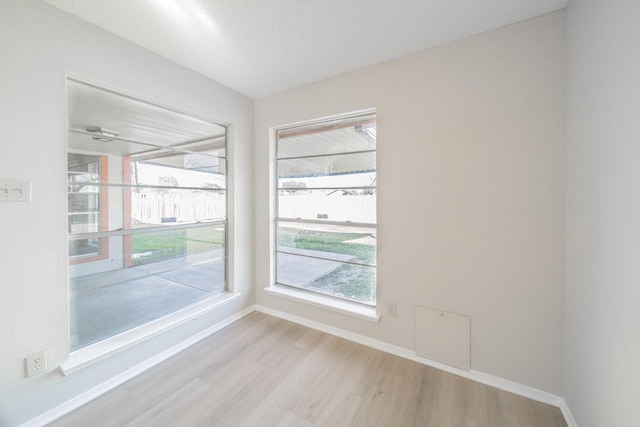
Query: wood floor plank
[[304, 374], [264, 371], [328, 368], [376, 405], [507, 409], [340, 411], [110, 408], [445, 400], [172, 406], [309, 340], [407, 394], [259, 390], [291, 419], [358, 378], [206, 354]]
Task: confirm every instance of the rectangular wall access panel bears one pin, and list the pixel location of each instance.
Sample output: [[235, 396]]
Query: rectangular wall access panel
[[443, 337]]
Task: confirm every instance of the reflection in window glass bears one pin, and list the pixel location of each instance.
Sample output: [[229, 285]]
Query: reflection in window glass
[[84, 202]]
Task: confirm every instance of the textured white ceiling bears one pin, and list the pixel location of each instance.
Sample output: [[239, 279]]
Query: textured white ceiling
[[262, 47]]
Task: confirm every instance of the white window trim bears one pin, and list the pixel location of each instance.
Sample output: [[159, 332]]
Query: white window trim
[[343, 306], [364, 312], [105, 348]]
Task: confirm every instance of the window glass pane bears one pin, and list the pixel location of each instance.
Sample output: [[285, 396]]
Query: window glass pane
[[142, 182], [365, 179], [193, 244], [85, 247], [348, 281], [333, 242], [147, 276], [329, 205], [84, 202], [339, 136], [180, 171], [84, 223], [341, 164], [86, 166], [214, 147], [165, 206], [81, 142], [326, 207]]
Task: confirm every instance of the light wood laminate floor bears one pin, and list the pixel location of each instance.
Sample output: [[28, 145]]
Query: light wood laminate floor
[[264, 371]]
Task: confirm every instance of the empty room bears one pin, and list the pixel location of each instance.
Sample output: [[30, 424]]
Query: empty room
[[319, 213]]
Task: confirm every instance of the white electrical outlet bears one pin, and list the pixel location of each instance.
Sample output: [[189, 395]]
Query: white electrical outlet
[[36, 363], [392, 310]]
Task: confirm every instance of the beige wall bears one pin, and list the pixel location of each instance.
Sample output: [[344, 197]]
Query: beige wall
[[39, 44], [602, 378], [471, 158], [470, 201]]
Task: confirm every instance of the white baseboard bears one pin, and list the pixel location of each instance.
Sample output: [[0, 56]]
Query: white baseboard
[[568, 416], [491, 380], [480, 377], [72, 404]]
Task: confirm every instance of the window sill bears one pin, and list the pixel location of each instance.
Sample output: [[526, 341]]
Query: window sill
[[91, 354], [340, 306]]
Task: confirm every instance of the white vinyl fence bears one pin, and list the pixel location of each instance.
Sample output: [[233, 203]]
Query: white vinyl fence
[[177, 206]]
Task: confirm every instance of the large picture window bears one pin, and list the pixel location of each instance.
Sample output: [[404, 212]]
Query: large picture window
[[326, 208], [147, 217]]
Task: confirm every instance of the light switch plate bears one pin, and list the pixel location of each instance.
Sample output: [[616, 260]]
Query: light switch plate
[[14, 190]]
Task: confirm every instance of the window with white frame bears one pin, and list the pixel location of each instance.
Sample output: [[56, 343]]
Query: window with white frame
[[147, 212], [325, 197]]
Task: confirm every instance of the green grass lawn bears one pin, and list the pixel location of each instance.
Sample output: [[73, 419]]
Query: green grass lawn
[[159, 246], [352, 282], [333, 242]]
